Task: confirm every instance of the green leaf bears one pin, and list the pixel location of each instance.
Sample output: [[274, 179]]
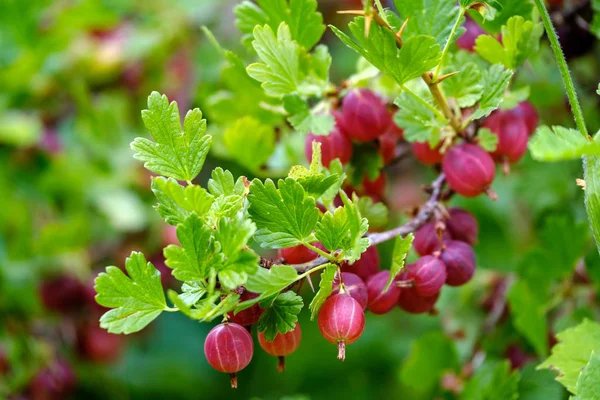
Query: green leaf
[[496, 79], [539, 385], [355, 244], [325, 288], [488, 140], [176, 203], [572, 353], [279, 71], [564, 242], [337, 169], [431, 355], [418, 55], [375, 213], [492, 381], [559, 143], [591, 167], [528, 309], [136, 299], [185, 308], [250, 142], [402, 246], [332, 229], [305, 22], [366, 162], [222, 183], [313, 179], [285, 217], [487, 8], [520, 39], [272, 281], [428, 17], [196, 256], [419, 123], [589, 379], [192, 292], [282, 316], [305, 120], [176, 154], [466, 87]]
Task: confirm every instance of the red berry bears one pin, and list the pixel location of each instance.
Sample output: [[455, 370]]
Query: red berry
[[341, 321], [97, 345], [297, 254], [527, 112], [169, 235], [354, 286], [364, 116], [428, 275], [250, 315], [469, 169], [467, 40], [427, 239], [4, 363], [63, 294], [395, 130], [367, 265], [459, 259], [387, 147], [283, 344], [462, 226], [375, 187], [54, 382], [512, 136], [381, 302], [517, 356], [334, 145], [228, 348], [410, 301], [425, 154]]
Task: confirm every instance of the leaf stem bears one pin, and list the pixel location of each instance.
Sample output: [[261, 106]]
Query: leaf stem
[[170, 309], [436, 74], [437, 113], [381, 10], [319, 251], [564, 69]]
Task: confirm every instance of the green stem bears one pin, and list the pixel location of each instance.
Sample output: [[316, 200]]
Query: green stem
[[448, 43], [563, 67], [437, 113], [171, 309], [381, 10], [319, 251], [312, 270]]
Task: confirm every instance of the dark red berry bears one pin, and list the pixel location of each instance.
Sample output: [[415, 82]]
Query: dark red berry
[[517, 356], [427, 239], [97, 345], [459, 259], [428, 275], [54, 382], [462, 226], [375, 187], [387, 147], [334, 145], [467, 40], [228, 348], [297, 254], [469, 169], [364, 116], [512, 136], [367, 265], [63, 294], [341, 321], [381, 302], [250, 315], [395, 130], [354, 286], [527, 112], [283, 344], [4, 363], [411, 302], [425, 154]]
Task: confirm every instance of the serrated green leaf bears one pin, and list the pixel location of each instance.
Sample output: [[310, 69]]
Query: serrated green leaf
[[335, 168], [222, 183], [272, 281], [305, 120], [572, 353], [250, 142], [559, 143], [332, 229], [136, 299], [192, 292], [402, 246], [427, 17], [539, 385], [314, 180], [494, 380], [589, 379], [282, 316], [175, 154], [466, 87], [284, 216], [528, 309], [325, 288], [176, 203], [419, 123], [375, 213], [355, 243], [185, 308], [496, 79], [488, 140]]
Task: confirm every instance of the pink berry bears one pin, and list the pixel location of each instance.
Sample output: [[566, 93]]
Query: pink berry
[[228, 348], [367, 265], [411, 302], [427, 239], [512, 136], [459, 259], [375, 187], [53, 382], [334, 145], [428, 275], [97, 345], [341, 321], [283, 344], [364, 116], [297, 254], [426, 155], [387, 147], [354, 286], [527, 112], [469, 169], [381, 302], [63, 294], [467, 40], [462, 226], [395, 130], [250, 315]]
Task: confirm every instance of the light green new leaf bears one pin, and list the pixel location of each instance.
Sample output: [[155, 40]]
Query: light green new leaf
[[282, 316], [222, 183], [136, 300], [314, 179], [176, 154], [375, 213], [355, 243], [250, 142], [325, 288], [559, 143], [528, 308], [402, 246], [419, 123], [176, 203], [487, 8], [332, 229], [488, 140], [305, 120], [427, 17], [271, 281], [572, 353], [496, 80], [589, 379], [285, 216]]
